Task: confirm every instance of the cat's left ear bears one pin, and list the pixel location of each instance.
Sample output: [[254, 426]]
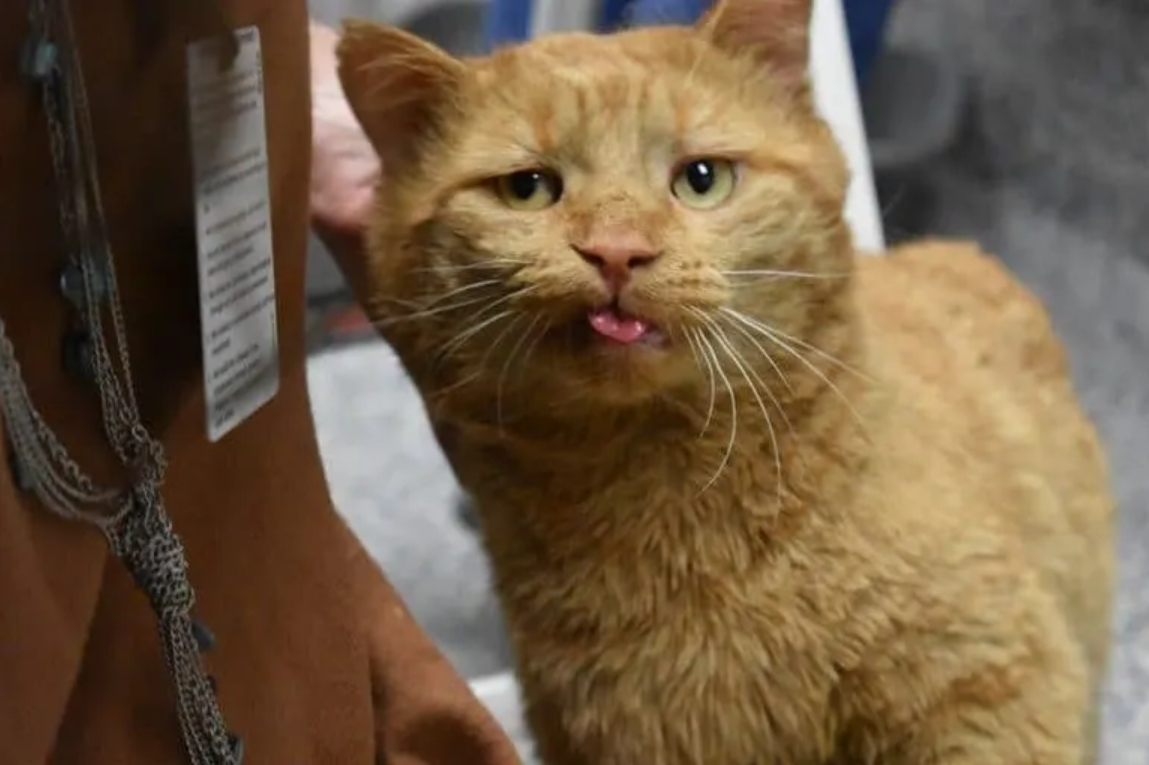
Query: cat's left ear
[[776, 33], [397, 85]]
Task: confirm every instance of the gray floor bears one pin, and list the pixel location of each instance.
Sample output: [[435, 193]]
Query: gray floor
[[1052, 173]]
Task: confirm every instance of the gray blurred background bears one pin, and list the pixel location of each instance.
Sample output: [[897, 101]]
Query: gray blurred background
[[1048, 167]]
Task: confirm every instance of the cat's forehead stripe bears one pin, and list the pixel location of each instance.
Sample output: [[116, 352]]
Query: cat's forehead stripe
[[602, 103], [561, 98]]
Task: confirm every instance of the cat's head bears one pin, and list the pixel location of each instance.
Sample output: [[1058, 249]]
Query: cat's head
[[604, 217]]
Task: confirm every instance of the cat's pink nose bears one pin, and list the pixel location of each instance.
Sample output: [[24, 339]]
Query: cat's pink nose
[[617, 255]]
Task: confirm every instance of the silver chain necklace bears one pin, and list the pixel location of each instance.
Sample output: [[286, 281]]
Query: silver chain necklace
[[132, 518]]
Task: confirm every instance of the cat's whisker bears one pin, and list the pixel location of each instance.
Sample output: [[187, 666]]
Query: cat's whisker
[[765, 386], [470, 332], [506, 367], [708, 349], [724, 341], [802, 344], [737, 321], [499, 339], [378, 302], [690, 345], [456, 268], [437, 310], [480, 369], [823, 354], [436, 307], [469, 287], [457, 342], [429, 312], [769, 333], [895, 200], [720, 333], [771, 274], [419, 309], [534, 344], [441, 392], [695, 342], [830, 383], [424, 305]]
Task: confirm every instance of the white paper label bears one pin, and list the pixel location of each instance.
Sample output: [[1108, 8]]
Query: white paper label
[[233, 230]]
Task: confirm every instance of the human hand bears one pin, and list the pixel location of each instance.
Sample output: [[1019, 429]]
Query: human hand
[[344, 166]]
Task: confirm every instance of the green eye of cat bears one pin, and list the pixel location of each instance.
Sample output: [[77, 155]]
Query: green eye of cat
[[704, 183], [529, 189]]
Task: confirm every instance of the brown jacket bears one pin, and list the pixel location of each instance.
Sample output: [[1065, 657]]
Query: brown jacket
[[316, 661]]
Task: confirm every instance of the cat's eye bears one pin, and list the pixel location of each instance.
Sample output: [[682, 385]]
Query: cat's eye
[[704, 183], [529, 189]]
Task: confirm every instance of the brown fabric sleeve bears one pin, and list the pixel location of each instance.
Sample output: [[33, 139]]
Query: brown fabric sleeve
[[424, 713], [45, 609], [317, 653]]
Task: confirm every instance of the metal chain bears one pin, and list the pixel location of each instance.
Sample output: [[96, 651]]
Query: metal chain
[[133, 518]]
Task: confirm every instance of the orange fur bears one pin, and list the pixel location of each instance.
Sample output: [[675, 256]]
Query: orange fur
[[849, 515]]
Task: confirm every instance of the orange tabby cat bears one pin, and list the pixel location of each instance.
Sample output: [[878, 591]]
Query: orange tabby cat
[[748, 500]]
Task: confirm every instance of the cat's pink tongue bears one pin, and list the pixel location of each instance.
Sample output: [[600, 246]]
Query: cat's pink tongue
[[608, 322]]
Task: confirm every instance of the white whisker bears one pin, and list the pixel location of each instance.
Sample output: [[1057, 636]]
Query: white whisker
[[460, 339], [533, 344], [691, 345], [470, 287], [454, 268], [481, 367], [506, 366], [776, 337], [428, 313], [437, 310], [737, 320], [803, 344], [772, 274], [721, 338], [495, 343], [828, 357], [471, 331], [423, 306], [708, 348], [711, 376]]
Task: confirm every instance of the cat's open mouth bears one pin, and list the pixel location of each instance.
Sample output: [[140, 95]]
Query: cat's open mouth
[[617, 326]]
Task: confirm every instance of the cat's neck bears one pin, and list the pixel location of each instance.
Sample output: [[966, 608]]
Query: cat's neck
[[633, 500], [762, 429]]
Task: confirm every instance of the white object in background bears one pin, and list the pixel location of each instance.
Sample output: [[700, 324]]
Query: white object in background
[[836, 95], [551, 16], [835, 92], [500, 695]]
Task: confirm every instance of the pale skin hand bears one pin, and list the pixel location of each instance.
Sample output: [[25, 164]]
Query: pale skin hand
[[344, 167]]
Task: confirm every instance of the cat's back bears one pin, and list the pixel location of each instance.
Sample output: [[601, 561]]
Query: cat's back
[[951, 330], [983, 408], [938, 293]]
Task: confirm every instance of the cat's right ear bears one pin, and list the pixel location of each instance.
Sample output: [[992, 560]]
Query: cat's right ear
[[776, 33], [396, 84]]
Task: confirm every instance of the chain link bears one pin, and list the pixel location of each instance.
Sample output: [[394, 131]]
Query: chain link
[[132, 518]]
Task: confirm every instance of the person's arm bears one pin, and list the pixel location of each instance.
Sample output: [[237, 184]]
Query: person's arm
[[345, 168], [424, 712]]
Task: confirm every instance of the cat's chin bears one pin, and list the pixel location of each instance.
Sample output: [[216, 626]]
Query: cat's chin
[[600, 355], [613, 344], [612, 327], [600, 367]]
